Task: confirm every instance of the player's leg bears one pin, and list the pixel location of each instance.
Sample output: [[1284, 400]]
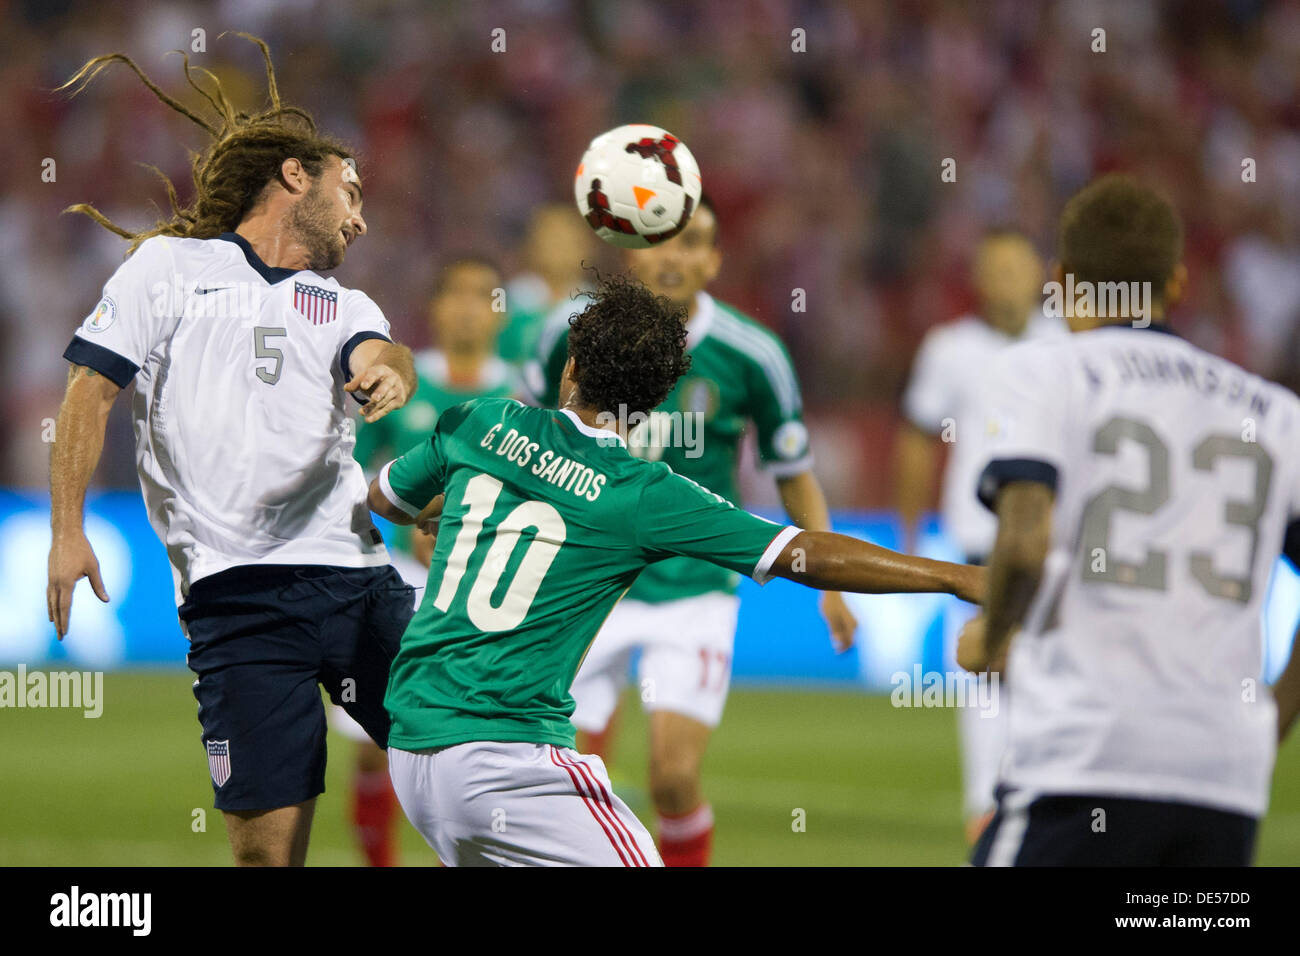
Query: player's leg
[[685, 676], [255, 648], [270, 837], [373, 808], [983, 736], [983, 741], [369, 612], [518, 804], [684, 818], [600, 680], [374, 605]]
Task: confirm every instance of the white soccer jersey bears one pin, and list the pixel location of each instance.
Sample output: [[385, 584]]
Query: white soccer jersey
[[243, 431], [1177, 476], [945, 388]]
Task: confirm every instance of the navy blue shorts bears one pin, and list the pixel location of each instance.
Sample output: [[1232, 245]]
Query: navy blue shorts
[[261, 638], [1112, 831]]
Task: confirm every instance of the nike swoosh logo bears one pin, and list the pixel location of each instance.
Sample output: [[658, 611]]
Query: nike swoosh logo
[[220, 288]]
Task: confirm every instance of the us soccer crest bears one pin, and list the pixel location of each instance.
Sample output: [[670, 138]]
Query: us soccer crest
[[219, 761], [318, 306]]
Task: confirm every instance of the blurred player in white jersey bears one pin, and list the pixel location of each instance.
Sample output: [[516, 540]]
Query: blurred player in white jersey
[[1143, 490], [242, 355], [940, 407]]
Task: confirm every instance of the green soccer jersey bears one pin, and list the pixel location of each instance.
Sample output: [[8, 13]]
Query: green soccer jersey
[[546, 524], [740, 372], [380, 442]]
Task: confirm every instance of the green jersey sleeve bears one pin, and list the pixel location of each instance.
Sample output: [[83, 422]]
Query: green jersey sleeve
[[420, 475], [679, 517], [777, 410]]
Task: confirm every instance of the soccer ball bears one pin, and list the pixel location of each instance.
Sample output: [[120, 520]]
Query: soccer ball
[[637, 186]]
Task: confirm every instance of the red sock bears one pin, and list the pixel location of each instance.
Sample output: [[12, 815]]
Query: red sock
[[374, 808], [686, 840]]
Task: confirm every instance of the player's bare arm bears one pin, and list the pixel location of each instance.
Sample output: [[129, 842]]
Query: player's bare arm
[[426, 520], [79, 441], [384, 372], [837, 562], [1024, 511], [915, 454], [805, 503]]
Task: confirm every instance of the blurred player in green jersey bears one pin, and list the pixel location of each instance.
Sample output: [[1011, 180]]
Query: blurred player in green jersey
[[465, 320], [681, 614], [546, 520], [555, 246], [466, 315]]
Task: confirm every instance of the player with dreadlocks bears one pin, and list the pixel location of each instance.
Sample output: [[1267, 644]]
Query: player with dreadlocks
[[241, 353]]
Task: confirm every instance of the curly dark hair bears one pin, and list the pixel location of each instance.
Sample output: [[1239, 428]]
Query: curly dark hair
[[628, 346]]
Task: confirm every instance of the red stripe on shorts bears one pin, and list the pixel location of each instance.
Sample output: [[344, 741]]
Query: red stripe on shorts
[[606, 803], [589, 803]]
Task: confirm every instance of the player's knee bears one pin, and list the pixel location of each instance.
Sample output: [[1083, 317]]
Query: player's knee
[[261, 855], [674, 784]]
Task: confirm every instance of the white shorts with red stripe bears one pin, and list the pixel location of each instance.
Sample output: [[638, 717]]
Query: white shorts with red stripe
[[518, 804], [685, 662]]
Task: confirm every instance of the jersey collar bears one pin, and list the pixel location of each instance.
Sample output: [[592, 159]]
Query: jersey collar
[[272, 274], [1149, 327], [698, 327], [601, 433]]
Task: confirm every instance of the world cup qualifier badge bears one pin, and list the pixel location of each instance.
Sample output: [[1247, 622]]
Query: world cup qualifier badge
[[790, 440], [104, 315], [219, 761]]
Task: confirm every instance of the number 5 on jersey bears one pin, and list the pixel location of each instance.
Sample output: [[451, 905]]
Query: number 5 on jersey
[[263, 351]]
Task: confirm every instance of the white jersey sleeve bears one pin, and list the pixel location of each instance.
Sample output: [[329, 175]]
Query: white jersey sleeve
[[360, 320], [931, 394], [1025, 406], [132, 316]]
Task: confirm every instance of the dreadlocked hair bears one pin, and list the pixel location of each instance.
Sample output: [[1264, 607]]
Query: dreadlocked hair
[[246, 153]]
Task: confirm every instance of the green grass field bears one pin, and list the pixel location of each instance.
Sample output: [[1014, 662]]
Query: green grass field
[[878, 785]]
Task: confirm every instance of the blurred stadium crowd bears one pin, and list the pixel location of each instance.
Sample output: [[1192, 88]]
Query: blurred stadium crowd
[[824, 164]]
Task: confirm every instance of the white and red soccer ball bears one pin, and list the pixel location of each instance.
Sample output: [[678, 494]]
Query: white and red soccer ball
[[637, 186]]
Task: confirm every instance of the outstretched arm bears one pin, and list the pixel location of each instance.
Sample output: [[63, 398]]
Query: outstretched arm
[[382, 505], [384, 373], [837, 562], [805, 503], [78, 443]]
